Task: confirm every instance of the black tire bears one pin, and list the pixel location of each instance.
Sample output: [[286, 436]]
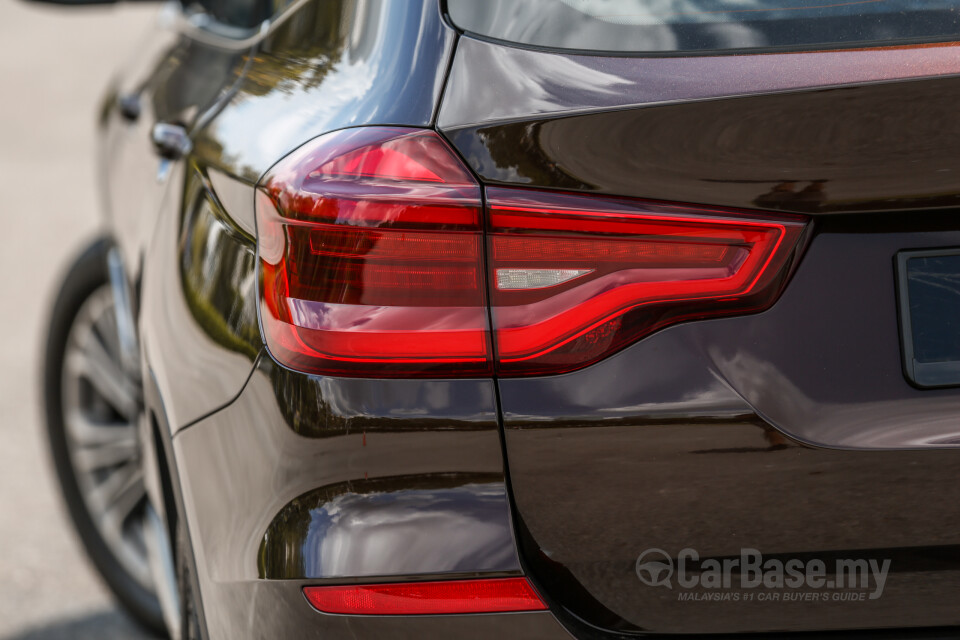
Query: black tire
[[87, 274], [186, 581]]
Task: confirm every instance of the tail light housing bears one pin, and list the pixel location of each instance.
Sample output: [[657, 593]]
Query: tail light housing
[[609, 271], [378, 260], [371, 255]]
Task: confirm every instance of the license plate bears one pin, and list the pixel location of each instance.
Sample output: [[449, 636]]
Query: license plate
[[928, 284]]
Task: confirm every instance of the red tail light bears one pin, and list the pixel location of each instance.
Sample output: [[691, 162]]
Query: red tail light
[[373, 259], [491, 595], [371, 249], [611, 271]]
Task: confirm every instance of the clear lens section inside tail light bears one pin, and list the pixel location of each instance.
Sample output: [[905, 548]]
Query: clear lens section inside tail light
[[371, 254], [621, 269]]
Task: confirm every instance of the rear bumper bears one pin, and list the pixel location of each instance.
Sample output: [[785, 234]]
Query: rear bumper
[[278, 609], [309, 480], [757, 432]]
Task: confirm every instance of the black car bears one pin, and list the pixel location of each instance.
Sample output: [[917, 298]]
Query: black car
[[542, 319]]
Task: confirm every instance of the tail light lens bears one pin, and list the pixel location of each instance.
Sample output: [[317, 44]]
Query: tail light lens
[[575, 278], [485, 595], [375, 263], [371, 250]]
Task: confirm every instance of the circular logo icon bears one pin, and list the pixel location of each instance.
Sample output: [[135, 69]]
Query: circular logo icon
[[655, 568]]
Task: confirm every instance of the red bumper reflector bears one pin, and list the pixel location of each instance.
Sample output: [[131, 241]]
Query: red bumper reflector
[[492, 595]]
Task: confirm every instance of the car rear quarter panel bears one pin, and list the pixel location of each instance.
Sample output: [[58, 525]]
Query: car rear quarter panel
[[325, 66], [310, 479], [323, 480]]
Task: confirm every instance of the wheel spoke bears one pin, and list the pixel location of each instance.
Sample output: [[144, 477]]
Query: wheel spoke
[[85, 432], [106, 328], [122, 500], [92, 361], [117, 495], [100, 456]]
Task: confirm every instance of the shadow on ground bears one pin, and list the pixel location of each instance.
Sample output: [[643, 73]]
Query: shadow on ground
[[98, 625]]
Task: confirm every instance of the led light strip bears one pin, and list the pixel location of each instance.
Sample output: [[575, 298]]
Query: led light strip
[[511, 279]]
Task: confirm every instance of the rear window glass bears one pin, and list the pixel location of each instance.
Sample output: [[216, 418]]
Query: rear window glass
[[706, 25]]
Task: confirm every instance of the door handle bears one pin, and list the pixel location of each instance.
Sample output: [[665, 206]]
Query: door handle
[[129, 107], [171, 141]]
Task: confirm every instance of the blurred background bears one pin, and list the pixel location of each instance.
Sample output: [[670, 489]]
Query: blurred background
[[54, 65]]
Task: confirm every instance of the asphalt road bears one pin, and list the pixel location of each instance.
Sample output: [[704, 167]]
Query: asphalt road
[[54, 63]]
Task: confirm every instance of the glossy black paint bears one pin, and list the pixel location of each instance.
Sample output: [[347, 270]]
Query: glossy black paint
[[831, 373], [492, 83], [308, 477], [862, 148], [247, 107], [198, 301], [325, 529], [174, 80], [682, 460], [332, 64], [791, 431]]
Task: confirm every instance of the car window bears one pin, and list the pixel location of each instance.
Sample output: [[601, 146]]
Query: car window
[[702, 25]]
